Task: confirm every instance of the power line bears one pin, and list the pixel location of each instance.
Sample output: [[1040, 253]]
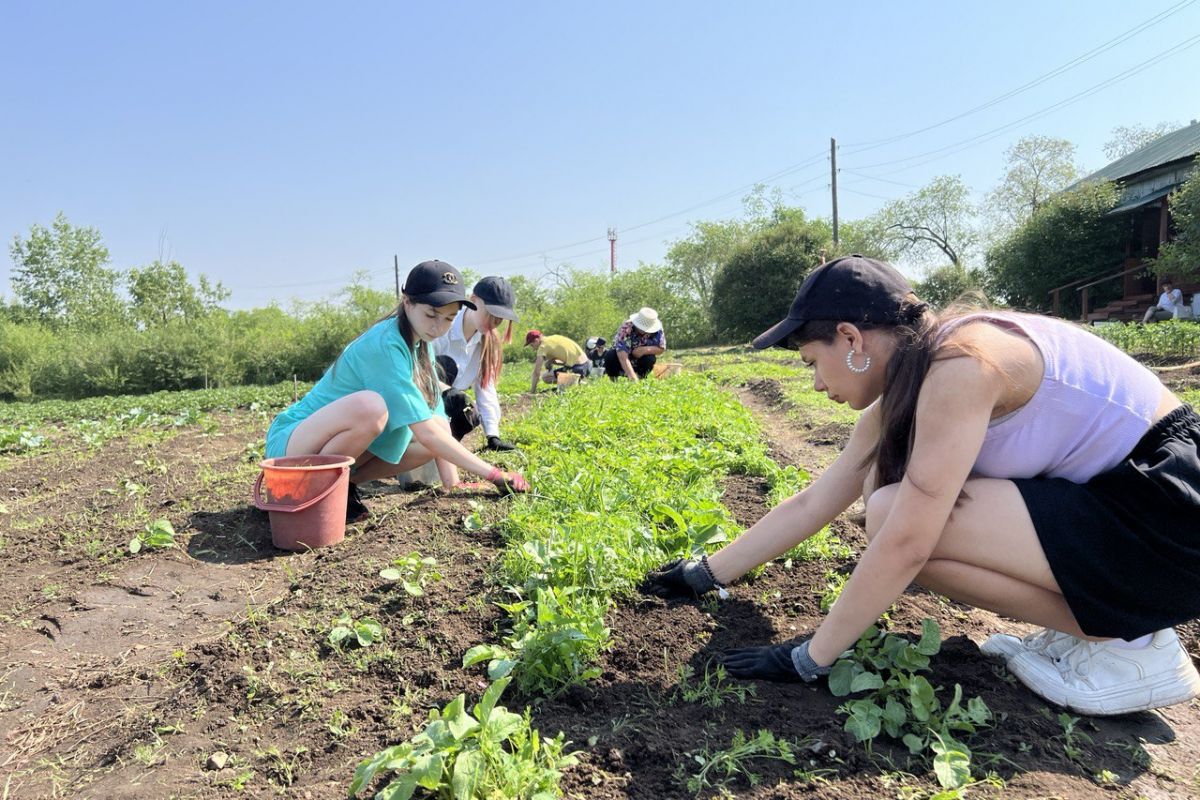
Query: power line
[[861, 147], [955, 147]]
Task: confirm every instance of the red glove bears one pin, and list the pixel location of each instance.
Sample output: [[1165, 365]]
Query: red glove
[[508, 482]]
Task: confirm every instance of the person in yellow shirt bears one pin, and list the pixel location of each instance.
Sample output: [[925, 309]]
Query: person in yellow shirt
[[558, 354]]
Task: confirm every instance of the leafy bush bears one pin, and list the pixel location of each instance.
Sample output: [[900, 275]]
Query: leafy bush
[[487, 754], [755, 289]]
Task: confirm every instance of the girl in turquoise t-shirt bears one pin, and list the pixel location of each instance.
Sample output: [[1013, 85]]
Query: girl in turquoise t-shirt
[[380, 402]]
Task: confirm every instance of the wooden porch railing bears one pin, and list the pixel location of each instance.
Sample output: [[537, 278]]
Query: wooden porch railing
[[1083, 300]]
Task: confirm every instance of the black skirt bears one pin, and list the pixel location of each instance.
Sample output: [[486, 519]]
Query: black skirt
[[1125, 546]]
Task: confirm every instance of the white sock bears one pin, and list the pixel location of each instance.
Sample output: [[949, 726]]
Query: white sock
[[1133, 644]]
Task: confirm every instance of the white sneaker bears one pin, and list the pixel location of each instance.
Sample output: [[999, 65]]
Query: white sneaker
[[1101, 679], [1046, 641]]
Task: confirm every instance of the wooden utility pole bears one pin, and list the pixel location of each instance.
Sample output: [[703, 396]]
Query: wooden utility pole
[[396, 265], [833, 184]]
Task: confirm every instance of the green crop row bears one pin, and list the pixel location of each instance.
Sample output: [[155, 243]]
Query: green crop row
[[1170, 338], [625, 476]]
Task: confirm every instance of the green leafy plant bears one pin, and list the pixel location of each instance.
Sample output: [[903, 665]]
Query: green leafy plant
[[554, 640], [158, 534], [412, 572], [719, 768], [711, 689], [904, 704], [489, 753], [1073, 739], [350, 632]]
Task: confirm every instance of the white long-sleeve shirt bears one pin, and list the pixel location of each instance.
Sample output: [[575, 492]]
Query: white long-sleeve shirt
[[468, 355]]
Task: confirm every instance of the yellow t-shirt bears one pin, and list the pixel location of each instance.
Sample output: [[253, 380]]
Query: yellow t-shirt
[[560, 348]]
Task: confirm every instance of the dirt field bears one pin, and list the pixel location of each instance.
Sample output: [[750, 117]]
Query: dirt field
[[205, 671]]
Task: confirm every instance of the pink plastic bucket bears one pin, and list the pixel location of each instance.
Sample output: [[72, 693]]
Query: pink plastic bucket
[[305, 497]]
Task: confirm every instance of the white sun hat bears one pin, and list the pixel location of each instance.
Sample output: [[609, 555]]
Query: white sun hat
[[646, 319]]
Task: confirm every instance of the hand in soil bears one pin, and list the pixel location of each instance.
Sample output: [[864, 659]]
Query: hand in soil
[[678, 578], [771, 662], [511, 483]]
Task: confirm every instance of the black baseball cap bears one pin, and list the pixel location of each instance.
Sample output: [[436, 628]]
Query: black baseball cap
[[436, 283], [848, 289], [497, 296]]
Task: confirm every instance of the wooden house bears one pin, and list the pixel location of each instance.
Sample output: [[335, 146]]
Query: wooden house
[[1146, 177]]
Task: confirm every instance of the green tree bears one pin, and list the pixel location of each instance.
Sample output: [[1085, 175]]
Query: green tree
[[1180, 258], [1068, 238], [160, 293], [60, 276], [1127, 138], [694, 262], [1035, 169], [934, 223], [755, 289], [943, 286]]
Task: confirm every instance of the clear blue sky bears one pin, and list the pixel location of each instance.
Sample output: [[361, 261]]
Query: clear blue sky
[[280, 147]]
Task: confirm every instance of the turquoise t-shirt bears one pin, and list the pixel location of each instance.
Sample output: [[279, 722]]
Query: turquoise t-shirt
[[380, 361]]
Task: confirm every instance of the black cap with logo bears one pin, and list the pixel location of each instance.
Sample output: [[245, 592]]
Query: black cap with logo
[[436, 283], [497, 296], [849, 289]]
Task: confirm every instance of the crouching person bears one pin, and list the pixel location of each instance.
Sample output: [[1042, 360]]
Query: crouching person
[[557, 354], [380, 403], [1008, 461]]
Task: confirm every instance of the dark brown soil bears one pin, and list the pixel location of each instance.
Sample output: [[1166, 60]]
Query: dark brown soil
[[128, 677]]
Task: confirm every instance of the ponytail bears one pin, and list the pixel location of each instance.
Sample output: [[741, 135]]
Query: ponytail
[[916, 341], [916, 334], [491, 360]]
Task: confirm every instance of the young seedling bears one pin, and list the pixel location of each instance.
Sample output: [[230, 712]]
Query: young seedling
[[905, 705], [719, 768], [350, 632], [484, 753], [711, 689], [412, 572], [157, 534]]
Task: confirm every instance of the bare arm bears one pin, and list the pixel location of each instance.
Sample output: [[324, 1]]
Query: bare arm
[[623, 358], [803, 514], [436, 439], [537, 372], [638, 352], [953, 411]]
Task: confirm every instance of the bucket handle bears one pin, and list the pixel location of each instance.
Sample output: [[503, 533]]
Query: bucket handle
[[256, 497]]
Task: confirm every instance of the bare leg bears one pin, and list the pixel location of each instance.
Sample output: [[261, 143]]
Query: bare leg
[[989, 556], [344, 427]]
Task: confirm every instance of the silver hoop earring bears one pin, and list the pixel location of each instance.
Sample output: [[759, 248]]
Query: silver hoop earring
[[857, 370]]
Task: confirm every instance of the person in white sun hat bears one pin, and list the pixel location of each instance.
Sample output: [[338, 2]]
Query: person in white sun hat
[[1013, 462], [639, 342]]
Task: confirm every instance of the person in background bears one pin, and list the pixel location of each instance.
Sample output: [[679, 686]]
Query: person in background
[[1169, 302], [1009, 461], [559, 354], [379, 401], [637, 345], [476, 346], [594, 348]]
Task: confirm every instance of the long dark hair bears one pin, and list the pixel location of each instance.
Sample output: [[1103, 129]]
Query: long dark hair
[[423, 373], [915, 333]]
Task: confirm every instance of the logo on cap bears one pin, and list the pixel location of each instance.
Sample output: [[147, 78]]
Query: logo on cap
[[450, 277]]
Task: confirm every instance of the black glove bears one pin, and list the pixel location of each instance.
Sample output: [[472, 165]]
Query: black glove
[[496, 443], [773, 662], [679, 578]]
